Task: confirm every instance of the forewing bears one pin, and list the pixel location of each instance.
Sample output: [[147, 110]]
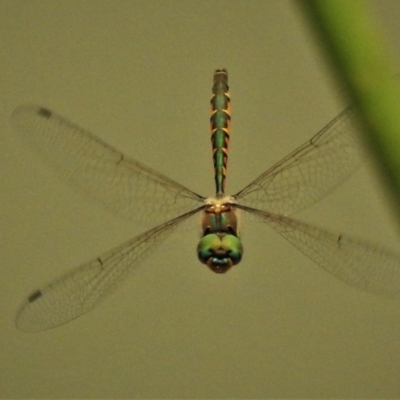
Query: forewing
[[82, 289], [364, 265], [310, 172], [122, 184]]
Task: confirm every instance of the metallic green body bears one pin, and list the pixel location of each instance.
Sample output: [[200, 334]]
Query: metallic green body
[[220, 247]]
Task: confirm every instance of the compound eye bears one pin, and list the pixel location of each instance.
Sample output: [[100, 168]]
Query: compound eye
[[220, 251]]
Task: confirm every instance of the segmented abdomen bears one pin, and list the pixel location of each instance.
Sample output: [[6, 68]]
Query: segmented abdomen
[[220, 124]]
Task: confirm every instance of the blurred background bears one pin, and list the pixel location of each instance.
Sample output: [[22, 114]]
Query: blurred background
[[139, 74]]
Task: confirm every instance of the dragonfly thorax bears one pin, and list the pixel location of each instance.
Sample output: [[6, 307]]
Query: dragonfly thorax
[[220, 247]]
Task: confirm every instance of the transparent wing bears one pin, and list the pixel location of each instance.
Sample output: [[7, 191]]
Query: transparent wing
[[119, 182], [310, 172], [83, 288], [363, 265]]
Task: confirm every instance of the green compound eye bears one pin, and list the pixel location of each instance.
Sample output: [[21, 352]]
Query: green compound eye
[[234, 248], [220, 252]]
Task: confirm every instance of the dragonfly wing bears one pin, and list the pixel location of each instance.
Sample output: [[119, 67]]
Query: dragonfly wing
[[310, 172], [363, 265], [83, 288], [122, 184]]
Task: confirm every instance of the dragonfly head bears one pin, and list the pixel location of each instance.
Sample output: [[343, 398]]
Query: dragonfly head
[[220, 251]]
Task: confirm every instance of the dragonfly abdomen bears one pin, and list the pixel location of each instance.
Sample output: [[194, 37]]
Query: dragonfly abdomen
[[220, 124]]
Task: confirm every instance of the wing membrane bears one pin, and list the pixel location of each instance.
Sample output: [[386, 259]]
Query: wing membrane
[[83, 288], [310, 172], [122, 184], [360, 264]]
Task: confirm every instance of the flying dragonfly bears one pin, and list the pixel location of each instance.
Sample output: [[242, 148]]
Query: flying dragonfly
[[140, 194]]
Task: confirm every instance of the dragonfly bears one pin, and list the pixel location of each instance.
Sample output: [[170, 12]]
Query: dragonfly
[[143, 195]]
